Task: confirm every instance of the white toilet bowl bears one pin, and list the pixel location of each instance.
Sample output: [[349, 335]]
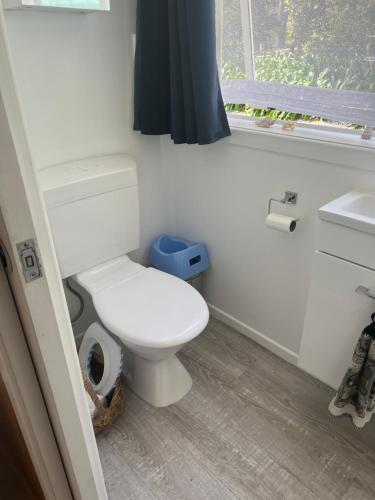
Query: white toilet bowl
[[93, 209], [154, 314]]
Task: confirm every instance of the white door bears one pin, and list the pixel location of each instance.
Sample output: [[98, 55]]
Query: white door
[[41, 303]]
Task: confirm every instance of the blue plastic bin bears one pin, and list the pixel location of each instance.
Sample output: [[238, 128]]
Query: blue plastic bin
[[178, 256]]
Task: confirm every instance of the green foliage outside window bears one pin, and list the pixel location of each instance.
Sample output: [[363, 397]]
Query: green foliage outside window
[[320, 43]]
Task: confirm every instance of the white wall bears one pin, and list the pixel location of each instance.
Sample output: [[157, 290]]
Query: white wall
[[74, 78], [258, 276]]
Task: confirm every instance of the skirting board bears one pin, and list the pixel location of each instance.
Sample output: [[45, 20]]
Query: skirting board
[[253, 334]]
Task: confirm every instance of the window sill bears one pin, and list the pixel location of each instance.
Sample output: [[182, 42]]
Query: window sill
[[343, 147]]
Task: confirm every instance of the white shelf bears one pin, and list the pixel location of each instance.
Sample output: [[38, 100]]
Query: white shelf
[[77, 6]]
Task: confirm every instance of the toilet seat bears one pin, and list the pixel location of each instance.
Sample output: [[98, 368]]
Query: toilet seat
[[112, 357], [144, 306]]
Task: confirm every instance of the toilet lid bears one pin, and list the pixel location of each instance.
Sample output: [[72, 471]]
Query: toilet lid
[[152, 309]]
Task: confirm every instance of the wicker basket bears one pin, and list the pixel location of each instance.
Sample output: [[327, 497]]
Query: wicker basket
[[105, 415]]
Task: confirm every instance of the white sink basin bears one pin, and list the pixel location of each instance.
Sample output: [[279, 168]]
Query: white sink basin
[[355, 210]]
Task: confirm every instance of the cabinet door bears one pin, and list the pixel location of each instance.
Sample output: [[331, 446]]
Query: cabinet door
[[335, 317]]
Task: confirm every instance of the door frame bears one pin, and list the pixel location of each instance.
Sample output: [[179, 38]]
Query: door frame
[[19, 377], [41, 303]]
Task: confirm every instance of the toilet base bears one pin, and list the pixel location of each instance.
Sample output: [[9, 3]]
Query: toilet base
[[161, 382]]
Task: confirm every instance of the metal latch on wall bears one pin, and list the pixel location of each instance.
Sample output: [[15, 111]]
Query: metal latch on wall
[[29, 258]]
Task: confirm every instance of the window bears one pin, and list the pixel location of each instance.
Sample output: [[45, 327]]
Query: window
[[308, 57]]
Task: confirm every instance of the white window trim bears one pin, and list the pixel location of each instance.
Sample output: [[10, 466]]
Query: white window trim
[[247, 34], [343, 147]]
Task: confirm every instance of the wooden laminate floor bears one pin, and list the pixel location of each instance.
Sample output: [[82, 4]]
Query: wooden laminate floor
[[253, 427]]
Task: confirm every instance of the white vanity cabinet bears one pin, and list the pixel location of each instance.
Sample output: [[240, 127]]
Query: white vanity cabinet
[[335, 317]]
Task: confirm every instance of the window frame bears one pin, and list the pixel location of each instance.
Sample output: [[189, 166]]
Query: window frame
[[248, 39]]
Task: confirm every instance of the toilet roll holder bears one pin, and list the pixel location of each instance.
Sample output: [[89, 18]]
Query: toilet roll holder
[[290, 198]]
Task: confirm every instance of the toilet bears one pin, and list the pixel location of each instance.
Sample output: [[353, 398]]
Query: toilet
[[93, 209]]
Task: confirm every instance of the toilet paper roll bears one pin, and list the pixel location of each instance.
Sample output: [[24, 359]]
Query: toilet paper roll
[[281, 223]]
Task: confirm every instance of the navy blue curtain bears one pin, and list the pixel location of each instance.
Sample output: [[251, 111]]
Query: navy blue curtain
[[177, 88]]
